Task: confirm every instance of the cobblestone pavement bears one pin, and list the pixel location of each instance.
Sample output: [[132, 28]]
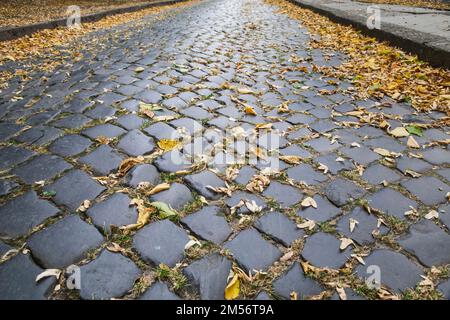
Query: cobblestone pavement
[[204, 66]]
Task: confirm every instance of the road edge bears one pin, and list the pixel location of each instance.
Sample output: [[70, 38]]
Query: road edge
[[17, 32], [435, 50]]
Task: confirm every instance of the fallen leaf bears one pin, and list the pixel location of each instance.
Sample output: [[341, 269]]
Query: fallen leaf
[[323, 168], [165, 211], [287, 256], [249, 110], [345, 242], [158, 188], [114, 247], [127, 164], [359, 258], [139, 69], [433, 214], [341, 293], [48, 273], [252, 206], [309, 202], [352, 223], [308, 224], [232, 289], [192, 243], [399, 132], [84, 206], [283, 108], [412, 143], [414, 130], [291, 159], [412, 173], [263, 126], [258, 183], [355, 145], [231, 173], [103, 140], [168, 144], [293, 295]]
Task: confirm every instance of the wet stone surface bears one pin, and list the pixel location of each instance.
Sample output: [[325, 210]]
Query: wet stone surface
[[203, 64]]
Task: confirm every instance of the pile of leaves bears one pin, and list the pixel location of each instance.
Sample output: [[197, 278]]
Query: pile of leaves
[[375, 68], [430, 4], [22, 12], [44, 44]]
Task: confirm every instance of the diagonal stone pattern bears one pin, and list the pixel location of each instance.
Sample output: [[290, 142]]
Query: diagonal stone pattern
[[202, 64]]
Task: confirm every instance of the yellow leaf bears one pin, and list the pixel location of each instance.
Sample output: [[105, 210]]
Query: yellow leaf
[[309, 202], [232, 289], [261, 126], [160, 187], [127, 164], [168, 144], [249, 110], [139, 69]]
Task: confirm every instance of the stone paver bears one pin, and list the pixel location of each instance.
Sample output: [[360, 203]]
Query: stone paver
[[429, 243], [18, 279], [397, 272], [64, 243], [208, 223], [158, 291], [203, 65], [294, 280], [22, 214], [110, 275], [247, 247], [209, 276], [161, 242]]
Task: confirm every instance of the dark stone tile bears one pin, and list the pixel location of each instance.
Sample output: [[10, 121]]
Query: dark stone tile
[[64, 243], [403, 164], [209, 224], [361, 155], [201, 182], [323, 126], [70, 145], [325, 210], [161, 242], [7, 130], [429, 190], [20, 215], [294, 280], [236, 197], [247, 247], [295, 150], [104, 130], [262, 295], [334, 166], [74, 121], [6, 186], [162, 130], [177, 196], [444, 287], [391, 202], [387, 143], [39, 135], [437, 156], [306, 173], [102, 160], [284, 194], [245, 175], [172, 161], [115, 210], [13, 155], [73, 188], [279, 227], [378, 173], [366, 224], [101, 112], [190, 125], [142, 173], [159, 291], [322, 250], [300, 118], [110, 275], [322, 145], [444, 214], [18, 279], [209, 276], [340, 191], [445, 173], [135, 143], [299, 134], [429, 243], [42, 167], [130, 121], [397, 272]]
